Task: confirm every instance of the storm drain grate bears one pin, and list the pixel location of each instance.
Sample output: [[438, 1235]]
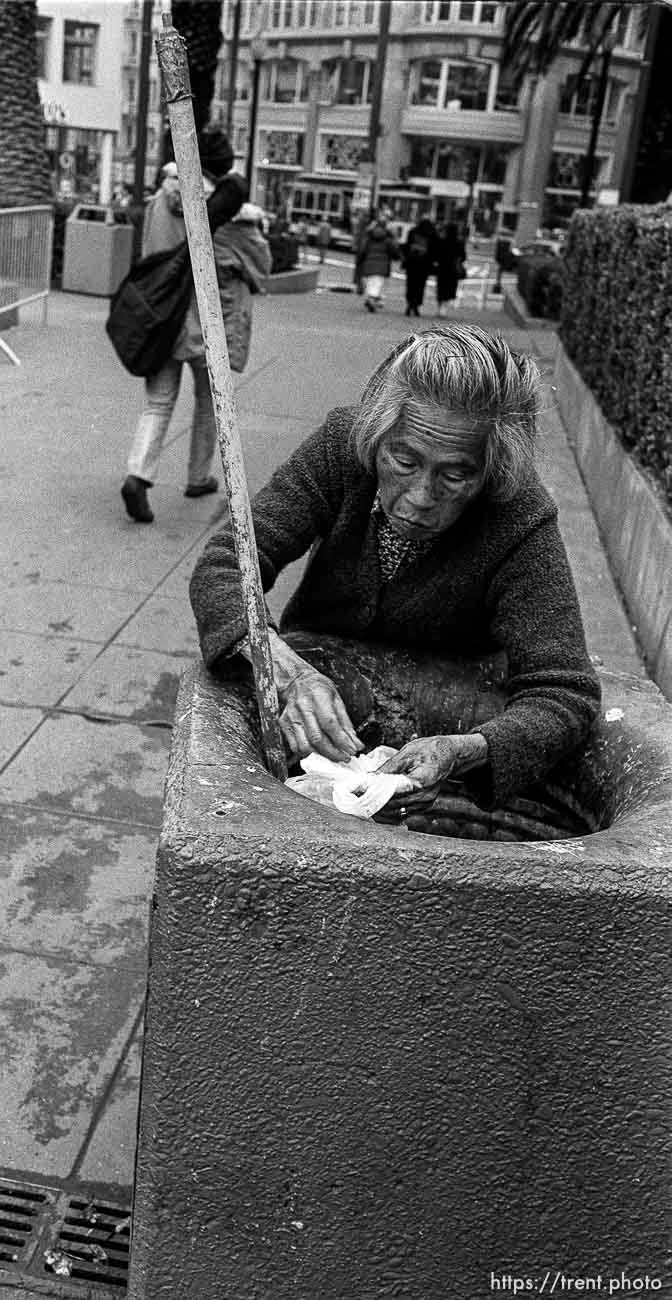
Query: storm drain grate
[[21, 1211], [63, 1244], [92, 1244]]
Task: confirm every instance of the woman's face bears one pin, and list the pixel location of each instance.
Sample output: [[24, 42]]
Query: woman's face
[[430, 467]]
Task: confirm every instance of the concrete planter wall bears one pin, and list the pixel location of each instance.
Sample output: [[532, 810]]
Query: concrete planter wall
[[383, 1064], [632, 518]]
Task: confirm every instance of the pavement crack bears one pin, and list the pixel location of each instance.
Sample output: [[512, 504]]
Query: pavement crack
[[89, 715]]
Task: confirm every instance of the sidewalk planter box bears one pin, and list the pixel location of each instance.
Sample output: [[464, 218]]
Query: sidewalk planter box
[[301, 281], [631, 514], [386, 1064]]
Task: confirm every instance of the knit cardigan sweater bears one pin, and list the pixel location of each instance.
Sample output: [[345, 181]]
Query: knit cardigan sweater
[[497, 579]]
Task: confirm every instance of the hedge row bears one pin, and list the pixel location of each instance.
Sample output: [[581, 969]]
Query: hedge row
[[616, 323]]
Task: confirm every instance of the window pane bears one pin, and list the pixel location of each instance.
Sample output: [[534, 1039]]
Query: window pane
[[340, 13], [285, 82], [494, 164], [466, 13], [444, 11], [422, 157], [468, 83], [427, 85], [79, 52], [351, 82], [506, 95], [488, 12]]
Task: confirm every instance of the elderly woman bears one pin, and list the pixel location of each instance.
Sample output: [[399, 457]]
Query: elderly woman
[[427, 527]]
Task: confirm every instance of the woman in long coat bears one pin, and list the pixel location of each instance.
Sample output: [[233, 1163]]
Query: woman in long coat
[[450, 255], [419, 260]]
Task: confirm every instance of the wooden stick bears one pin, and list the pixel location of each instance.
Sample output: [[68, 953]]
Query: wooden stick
[[172, 52]]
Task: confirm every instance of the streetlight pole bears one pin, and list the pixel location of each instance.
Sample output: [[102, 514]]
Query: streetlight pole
[[141, 125], [257, 51], [589, 161], [377, 92], [233, 68]]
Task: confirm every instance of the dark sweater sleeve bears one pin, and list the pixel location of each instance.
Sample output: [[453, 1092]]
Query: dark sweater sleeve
[[553, 690], [297, 505]]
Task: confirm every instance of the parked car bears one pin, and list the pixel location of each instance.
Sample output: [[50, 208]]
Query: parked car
[[535, 247]]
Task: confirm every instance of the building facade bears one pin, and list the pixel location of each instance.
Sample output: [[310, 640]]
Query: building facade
[[453, 129], [454, 132], [80, 47]]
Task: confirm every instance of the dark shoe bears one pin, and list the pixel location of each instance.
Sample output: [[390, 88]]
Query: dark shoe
[[369, 305], [415, 311], [134, 493], [407, 312], [202, 489]]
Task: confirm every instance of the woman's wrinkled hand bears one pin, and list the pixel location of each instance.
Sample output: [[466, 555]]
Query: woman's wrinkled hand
[[314, 718], [427, 762]]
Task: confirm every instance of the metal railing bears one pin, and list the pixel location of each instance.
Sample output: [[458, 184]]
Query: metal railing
[[26, 236]]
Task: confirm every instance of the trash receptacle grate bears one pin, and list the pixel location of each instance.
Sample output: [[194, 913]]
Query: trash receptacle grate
[[63, 1244], [92, 1244], [20, 1217]]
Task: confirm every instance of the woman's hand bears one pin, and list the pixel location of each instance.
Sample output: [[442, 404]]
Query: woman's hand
[[430, 760], [315, 718]]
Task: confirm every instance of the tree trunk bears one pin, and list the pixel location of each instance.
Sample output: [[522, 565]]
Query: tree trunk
[[25, 167]]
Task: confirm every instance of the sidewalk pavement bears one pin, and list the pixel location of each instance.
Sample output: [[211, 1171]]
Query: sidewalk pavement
[[96, 631]]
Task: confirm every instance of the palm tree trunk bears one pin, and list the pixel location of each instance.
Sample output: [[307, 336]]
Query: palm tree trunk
[[25, 166]]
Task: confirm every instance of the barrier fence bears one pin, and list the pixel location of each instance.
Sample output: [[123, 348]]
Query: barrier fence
[[26, 236]]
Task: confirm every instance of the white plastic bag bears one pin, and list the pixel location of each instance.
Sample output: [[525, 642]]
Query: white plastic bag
[[355, 787]]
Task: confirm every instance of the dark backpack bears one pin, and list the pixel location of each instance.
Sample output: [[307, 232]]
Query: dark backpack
[[148, 309]]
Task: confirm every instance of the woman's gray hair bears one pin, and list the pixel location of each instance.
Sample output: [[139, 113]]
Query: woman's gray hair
[[462, 368]]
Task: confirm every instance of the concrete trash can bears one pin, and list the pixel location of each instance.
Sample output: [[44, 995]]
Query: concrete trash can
[[98, 249]]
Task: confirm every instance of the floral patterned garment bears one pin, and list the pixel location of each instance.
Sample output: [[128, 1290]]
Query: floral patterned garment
[[395, 552]]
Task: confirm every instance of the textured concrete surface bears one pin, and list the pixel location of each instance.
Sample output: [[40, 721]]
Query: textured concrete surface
[[379, 1064], [96, 630]]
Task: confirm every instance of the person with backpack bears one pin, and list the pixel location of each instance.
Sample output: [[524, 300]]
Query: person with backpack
[[164, 229], [419, 256]]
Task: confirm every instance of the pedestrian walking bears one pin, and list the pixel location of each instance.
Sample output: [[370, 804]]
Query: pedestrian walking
[[419, 256], [323, 238], [243, 260], [376, 251], [163, 229], [450, 262], [301, 235]]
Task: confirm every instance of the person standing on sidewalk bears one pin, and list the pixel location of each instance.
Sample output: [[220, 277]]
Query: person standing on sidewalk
[[323, 238], [451, 253], [164, 228], [375, 254], [419, 255]]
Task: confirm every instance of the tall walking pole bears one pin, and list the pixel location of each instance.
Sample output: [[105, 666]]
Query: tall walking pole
[[172, 52]]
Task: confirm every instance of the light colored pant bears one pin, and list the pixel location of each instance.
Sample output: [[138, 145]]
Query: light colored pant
[[373, 287], [161, 395]]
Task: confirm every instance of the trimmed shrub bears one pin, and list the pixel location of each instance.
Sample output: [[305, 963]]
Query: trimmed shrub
[[616, 323], [540, 284]]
